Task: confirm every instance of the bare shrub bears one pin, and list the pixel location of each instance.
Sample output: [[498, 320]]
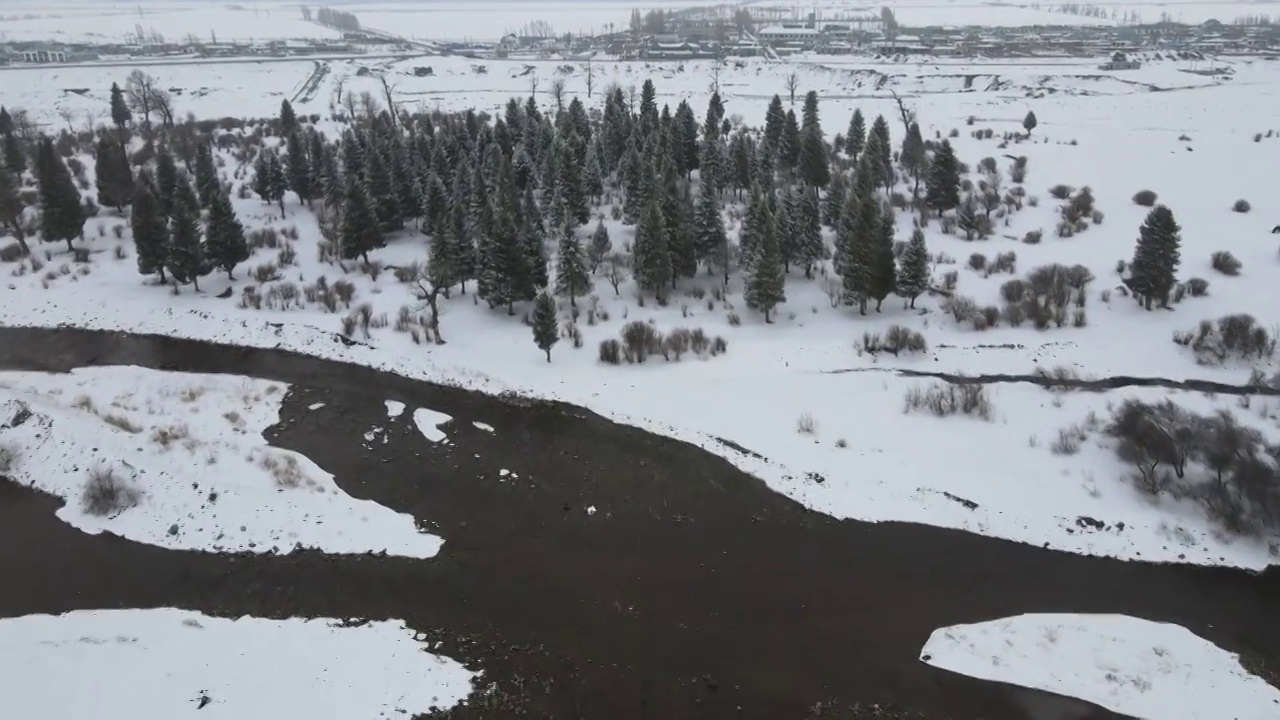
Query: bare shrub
[[1069, 441], [266, 273], [1241, 206], [1232, 336], [1033, 237], [1060, 192], [805, 424], [1213, 460], [165, 437], [122, 422], [345, 292], [1225, 263], [960, 307], [283, 468], [8, 457], [611, 351], [1145, 198], [978, 261], [1198, 287], [640, 340], [676, 343], [898, 339], [11, 252], [944, 399], [106, 493]]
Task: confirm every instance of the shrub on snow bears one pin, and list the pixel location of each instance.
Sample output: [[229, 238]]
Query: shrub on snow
[[1145, 198], [1232, 336], [105, 493], [1225, 263], [1241, 206], [945, 399]]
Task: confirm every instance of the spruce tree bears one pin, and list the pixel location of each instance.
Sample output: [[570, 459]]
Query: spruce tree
[[677, 210], [858, 226], [288, 121], [186, 258], [6, 121], [1152, 274], [530, 257], [784, 228], [225, 243], [1029, 122], [883, 276], [856, 137], [765, 282], [298, 172], [774, 118], [913, 275], [120, 114], [913, 157], [15, 160], [441, 256], [942, 189], [150, 228], [592, 175], [633, 192], [808, 228], [381, 188], [113, 176], [686, 125], [833, 202], [880, 128], [568, 186], [814, 168], [789, 145], [12, 208], [710, 240], [207, 183], [651, 260], [572, 278], [546, 331], [870, 174], [166, 180], [359, 232], [61, 215], [967, 217], [810, 112], [600, 245]]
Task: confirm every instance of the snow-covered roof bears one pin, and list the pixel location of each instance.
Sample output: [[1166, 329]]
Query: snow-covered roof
[[780, 30]]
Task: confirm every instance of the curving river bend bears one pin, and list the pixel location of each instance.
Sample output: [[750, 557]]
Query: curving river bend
[[693, 592]]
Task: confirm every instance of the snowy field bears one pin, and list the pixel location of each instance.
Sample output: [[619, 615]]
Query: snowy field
[[174, 21], [168, 663], [188, 455], [1131, 666], [1193, 144]]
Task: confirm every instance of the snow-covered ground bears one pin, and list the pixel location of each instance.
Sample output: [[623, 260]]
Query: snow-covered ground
[[1155, 671], [190, 448], [173, 21], [1117, 140], [168, 663]]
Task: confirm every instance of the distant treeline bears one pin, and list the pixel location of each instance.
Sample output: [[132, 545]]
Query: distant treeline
[[329, 17]]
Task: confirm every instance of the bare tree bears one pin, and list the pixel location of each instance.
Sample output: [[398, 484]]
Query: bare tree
[[163, 106], [369, 107], [140, 94], [793, 83], [615, 271], [907, 116], [428, 291], [391, 105], [591, 76], [349, 104], [716, 67], [67, 115], [533, 84], [557, 92]]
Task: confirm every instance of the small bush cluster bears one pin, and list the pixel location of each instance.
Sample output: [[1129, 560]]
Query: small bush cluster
[[641, 341], [1241, 206], [1046, 296], [1225, 263], [1145, 198], [1232, 336], [1212, 460], [106, 493], [896, 340], [945, 399]]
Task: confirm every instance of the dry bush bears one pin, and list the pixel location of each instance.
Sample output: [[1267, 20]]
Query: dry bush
[[284, 468], [1224, 466], [264, 237], [8, 457], [1232, 336], [266, 272], [122, 422], [1060, 192], [1069, 441], [345, 292], [11, 252], [611, 351], [806, 425], [640, 340], [1197, 287], [1225, 263], [1145, 198], [896, 340], [1033, 237], [944, 399], [106, 493], [1241, 206], [165, 437], [287, 255]]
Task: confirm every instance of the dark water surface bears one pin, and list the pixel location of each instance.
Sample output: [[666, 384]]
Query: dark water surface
[[693, 592]]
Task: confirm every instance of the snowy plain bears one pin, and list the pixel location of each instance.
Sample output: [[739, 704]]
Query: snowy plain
[[192, 446], [1189, 137], [1142, 669], [169, 663]]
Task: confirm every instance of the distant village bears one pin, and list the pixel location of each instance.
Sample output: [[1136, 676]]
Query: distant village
[[714, 33]]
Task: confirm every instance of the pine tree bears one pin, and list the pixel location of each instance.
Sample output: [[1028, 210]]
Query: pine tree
[[6, 121], [1152, 274], [855, 139], [224, 235], [166, 180], [186, 258], [651, 259], [833, 203], [531, 257], [1029, 122], [913, 156], [207, 184], [765, 282], [677, 211], [810, 112], [967, 217], [633, 192], [592, 176], [15, 160], [120, 114], [869, 174], [774, 118], [808, 228], [150, 228], [12, 208], [858, 225], [568, 184], [113, 176], [814, 168], [359, 232], [789, 145], [913, 275], [600, 246], [381, 188], [546, 331], [942, 189], [880, 129], [686, 126], [572, 278], [883, 276], [298, 169], [710, 241], [288, 121], [784, 228], [61, 215]]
